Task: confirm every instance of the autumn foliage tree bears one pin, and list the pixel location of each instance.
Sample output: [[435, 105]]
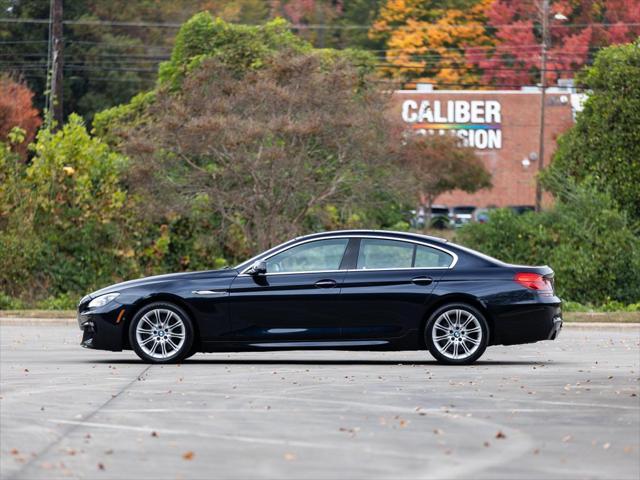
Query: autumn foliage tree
[[266, 148], [17, 110], [428, 39], [436, 164], [576, 30], [459, 43]]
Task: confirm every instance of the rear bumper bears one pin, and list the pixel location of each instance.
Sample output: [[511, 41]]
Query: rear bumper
[[555, 330], [527, 322]]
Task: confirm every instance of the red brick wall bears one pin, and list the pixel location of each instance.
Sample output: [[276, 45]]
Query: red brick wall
[[513, 184]]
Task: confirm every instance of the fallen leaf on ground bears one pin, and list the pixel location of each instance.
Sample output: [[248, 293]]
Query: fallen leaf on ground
[[188, 455], [100, 466], [500, 434]]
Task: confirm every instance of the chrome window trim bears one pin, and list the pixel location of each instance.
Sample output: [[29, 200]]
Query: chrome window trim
[[330, 237]]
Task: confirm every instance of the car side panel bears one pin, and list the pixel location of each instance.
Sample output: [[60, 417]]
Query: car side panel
[[516, 314], [286, 307], [384, 303]]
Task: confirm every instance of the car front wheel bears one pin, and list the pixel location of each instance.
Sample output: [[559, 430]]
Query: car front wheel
[[161, 333], [457, 334]]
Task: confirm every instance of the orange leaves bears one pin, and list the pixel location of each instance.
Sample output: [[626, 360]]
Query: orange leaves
[[426, 41], [497, 42], [17, 110]]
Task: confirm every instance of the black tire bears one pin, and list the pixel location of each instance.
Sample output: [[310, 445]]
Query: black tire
[[184, 350], [483, 337], [194, 349]]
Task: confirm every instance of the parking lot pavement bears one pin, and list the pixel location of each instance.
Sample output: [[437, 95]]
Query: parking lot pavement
[[563, 409]]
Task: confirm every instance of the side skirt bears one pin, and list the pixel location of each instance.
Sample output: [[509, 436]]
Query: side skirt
[[255, 346]]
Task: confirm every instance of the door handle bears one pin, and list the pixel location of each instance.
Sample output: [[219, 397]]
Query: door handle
[[326, 283], [422, 280]]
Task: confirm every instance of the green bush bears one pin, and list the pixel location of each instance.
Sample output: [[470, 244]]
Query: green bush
[[591, 246], [611, 306], [604, 145], [65, 217], [20, 249], [65, 301], [8, 302]]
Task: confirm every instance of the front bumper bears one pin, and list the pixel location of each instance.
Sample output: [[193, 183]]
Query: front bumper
[[103, 328]]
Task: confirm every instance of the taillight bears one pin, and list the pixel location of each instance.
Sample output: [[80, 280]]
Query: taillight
[[534, 281]]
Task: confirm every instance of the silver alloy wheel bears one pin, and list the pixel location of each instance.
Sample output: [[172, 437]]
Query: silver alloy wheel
[[457, 334], [160, 333]]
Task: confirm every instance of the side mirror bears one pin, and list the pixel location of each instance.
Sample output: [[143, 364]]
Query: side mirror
[[258, 268]]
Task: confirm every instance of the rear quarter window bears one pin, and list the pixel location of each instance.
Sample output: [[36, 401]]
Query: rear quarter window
[[427, 257]]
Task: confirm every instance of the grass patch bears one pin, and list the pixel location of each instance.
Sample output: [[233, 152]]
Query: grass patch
[[38, 313], [601, 317]]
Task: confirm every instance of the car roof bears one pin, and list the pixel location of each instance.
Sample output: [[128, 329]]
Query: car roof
[[462, 252], [378, 233]]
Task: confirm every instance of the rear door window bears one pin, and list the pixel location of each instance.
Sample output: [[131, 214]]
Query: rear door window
[[378, 254]]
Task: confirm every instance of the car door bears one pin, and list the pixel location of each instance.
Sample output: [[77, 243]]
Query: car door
[[296, 299], [384, 294]]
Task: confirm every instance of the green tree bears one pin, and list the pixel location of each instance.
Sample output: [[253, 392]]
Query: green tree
[[107, 62], [603, 147], [593, 247], [65, 217], [239, 46]]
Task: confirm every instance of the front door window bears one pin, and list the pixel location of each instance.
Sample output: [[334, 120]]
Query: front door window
[[318, 256]]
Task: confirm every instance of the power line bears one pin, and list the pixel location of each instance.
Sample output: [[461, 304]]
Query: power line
[[10, 42], [299, 26], [97, 79]]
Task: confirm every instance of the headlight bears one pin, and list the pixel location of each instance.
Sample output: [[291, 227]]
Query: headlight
[[102, 300]]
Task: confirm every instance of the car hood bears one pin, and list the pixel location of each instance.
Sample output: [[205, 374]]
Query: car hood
[[143, 282]]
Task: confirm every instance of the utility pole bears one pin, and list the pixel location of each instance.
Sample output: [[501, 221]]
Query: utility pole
[[55, 100], [543, 87]]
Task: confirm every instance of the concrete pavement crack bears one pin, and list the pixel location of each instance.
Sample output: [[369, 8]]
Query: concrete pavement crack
[[75, 427]]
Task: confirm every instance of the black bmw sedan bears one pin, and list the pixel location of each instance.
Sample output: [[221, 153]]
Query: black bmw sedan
[[366, 290]]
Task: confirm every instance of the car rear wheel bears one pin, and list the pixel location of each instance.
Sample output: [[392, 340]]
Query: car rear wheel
[[457, 334], [161, 333]]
